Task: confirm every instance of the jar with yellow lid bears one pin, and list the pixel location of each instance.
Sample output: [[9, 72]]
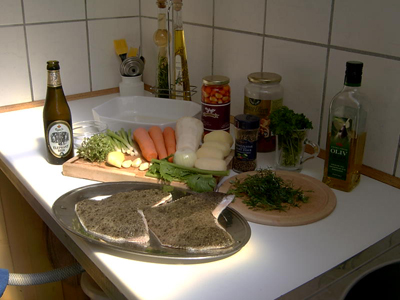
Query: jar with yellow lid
[[216, 103], [262, 95]]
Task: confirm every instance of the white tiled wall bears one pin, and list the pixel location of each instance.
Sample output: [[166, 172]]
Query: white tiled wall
[[78, 33], [306, 41]]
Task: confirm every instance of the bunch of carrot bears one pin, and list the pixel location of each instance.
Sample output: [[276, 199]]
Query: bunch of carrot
[[155, 142]]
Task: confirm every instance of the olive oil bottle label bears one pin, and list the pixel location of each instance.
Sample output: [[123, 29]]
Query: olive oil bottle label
[[339, 148], [53, 78], [59, 139]]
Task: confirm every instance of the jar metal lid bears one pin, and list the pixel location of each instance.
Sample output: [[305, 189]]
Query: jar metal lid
[[245, 121], [264, 77], [215, 80]]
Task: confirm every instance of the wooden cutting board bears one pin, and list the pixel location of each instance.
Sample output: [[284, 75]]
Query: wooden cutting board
[[320, 204], [80, 168]]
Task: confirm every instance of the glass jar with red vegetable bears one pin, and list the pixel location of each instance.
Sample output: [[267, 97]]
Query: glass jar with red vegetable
[[216, 103]]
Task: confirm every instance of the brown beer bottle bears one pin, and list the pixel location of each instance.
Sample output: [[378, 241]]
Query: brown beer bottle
[[57, 119]]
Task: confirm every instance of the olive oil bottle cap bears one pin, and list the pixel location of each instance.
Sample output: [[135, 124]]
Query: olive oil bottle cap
[[353, 73]]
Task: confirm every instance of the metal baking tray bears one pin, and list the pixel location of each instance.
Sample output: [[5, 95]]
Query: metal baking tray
[[231, 220]]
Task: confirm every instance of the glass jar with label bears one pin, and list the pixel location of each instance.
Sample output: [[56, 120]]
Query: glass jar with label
[[246, 135], [216, 103], [262, 95]]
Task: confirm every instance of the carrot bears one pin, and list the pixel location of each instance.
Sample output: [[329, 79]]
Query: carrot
[[170, 141], [156, 135], [146, 144]]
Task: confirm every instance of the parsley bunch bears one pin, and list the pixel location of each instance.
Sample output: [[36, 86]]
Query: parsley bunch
[[285, 123], [267, 191], [95, 148]]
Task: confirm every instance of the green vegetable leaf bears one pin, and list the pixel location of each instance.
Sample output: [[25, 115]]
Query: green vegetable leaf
[[201, 183], [197, 180]]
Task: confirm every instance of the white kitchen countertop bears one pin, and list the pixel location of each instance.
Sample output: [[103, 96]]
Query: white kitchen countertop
[[275, 260]]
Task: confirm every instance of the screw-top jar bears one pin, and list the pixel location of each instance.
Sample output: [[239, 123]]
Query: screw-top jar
[[246, 134], [216, 103], [262, 95]]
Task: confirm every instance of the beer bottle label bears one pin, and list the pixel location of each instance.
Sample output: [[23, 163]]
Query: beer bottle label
[[339, 150], [59, 138]]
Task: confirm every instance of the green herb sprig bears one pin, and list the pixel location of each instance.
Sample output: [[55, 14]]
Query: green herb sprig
[[287, 125], [267, 191], [95, 148], [162, 77], [284, 121]]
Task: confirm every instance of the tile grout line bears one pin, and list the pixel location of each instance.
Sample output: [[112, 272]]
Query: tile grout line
[[396, 160], [363, 52], [263, 39], [140, 28], [213, 38], [88, 48], [304, 42], [27, 51], [325, 84]]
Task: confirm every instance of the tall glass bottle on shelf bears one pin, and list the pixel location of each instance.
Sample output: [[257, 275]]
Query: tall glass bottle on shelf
[[346, 134], [161, 39], [57, 119], [181, 82]]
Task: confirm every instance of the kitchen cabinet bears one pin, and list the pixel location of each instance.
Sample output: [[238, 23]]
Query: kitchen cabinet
[[275, 260], [29, 246]]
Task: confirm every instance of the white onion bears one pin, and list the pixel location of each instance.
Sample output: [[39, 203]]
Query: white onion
[[185, 157]]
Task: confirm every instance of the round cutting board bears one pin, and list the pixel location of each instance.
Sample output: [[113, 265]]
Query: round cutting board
[[320, 204]]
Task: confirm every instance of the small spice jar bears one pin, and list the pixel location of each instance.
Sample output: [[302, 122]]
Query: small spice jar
[[216, 103], [262, 95], [246, 135]]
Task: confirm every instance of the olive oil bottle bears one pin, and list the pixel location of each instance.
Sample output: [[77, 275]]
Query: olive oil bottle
[[181, 82], [346, 134], [57, 119]]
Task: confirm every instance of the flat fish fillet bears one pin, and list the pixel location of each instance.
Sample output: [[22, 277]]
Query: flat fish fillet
[[119, 218], [191, 222]]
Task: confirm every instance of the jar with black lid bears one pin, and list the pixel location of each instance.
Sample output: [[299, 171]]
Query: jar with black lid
[[246, 135], [263, 94]]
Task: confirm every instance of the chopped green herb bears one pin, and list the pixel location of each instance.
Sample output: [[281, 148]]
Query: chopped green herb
[[267, 191]]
